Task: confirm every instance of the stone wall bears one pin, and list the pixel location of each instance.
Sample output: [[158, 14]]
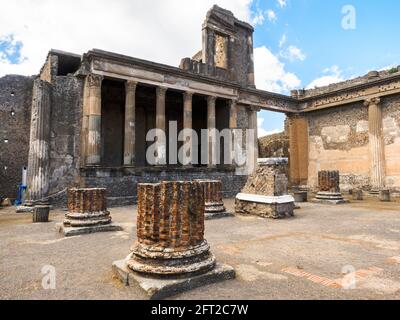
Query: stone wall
[[391, 131], [65, 133], [338, 140], [15, 106], [274, 146]]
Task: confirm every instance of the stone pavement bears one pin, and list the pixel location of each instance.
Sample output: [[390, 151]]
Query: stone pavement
[[297, 258]]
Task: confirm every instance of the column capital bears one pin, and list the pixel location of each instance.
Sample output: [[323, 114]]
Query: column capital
[[233, 102], [211, 99], [94, 80], [161, 91], [372, 101], [130, 85], [254, 108], [188, 94]]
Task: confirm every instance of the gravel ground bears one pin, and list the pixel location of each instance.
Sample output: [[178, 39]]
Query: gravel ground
[[296, 258]]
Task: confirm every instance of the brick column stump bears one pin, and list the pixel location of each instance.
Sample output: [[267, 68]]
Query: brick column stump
[[329, 190], [170, 254], [214, 204], [87, 212]]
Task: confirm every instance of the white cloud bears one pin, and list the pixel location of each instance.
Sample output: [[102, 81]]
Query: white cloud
[[271, 74], [271, 15], [332, 75], [282, 41], [293, 53], [258, 18], [162, 31], [262, 132], [282, 3]]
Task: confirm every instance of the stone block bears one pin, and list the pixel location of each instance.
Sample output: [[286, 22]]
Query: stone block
[[357, 194], [41, 214], [384, 195], [159, 288]]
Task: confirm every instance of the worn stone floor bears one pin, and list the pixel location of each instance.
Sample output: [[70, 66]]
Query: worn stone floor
[[297, 258]]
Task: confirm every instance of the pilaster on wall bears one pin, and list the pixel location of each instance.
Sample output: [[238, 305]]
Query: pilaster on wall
[[377, 145], [298, 150]]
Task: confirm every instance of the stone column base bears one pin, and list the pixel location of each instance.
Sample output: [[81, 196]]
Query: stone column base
[[75, 231], [329, 198], [215, 211], [265, 206], [155, 288]]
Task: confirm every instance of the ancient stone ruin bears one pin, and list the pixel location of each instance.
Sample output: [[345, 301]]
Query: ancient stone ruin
[[266, 192], [171, 253], [87, 212], [214, 204], [329, 190]]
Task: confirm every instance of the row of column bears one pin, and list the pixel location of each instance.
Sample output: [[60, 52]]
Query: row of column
[[91, 143]]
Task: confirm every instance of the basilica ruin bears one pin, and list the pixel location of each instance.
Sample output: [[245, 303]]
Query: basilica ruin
[[82, 121]]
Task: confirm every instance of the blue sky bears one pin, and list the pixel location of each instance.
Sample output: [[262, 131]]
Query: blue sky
[[315, 27]]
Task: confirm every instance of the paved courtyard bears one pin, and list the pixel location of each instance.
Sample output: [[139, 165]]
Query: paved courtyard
[[298, 258]]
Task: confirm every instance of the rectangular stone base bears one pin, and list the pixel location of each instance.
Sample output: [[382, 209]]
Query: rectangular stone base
[[75, 231], [217, 215], [157, 288], [265, 210]]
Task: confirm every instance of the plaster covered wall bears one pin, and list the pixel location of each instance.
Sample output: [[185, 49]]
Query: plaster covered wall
[[338, 140], [391, 131], [15, 106]]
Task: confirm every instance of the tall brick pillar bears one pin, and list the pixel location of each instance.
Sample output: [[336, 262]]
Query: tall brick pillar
[[298, 150], [377, 145]]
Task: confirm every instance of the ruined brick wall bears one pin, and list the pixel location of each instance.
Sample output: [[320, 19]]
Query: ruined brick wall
[[15, 116], [338, 140], [274, 146], [391, 131], [65, 139]]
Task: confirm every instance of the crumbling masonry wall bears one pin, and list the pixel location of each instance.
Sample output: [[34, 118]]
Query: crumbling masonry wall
[[15, 106], [339, 140]]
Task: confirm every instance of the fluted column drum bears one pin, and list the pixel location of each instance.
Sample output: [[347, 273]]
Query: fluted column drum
[[212, 196], [329, 187], [87, 207], [170, 230]]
